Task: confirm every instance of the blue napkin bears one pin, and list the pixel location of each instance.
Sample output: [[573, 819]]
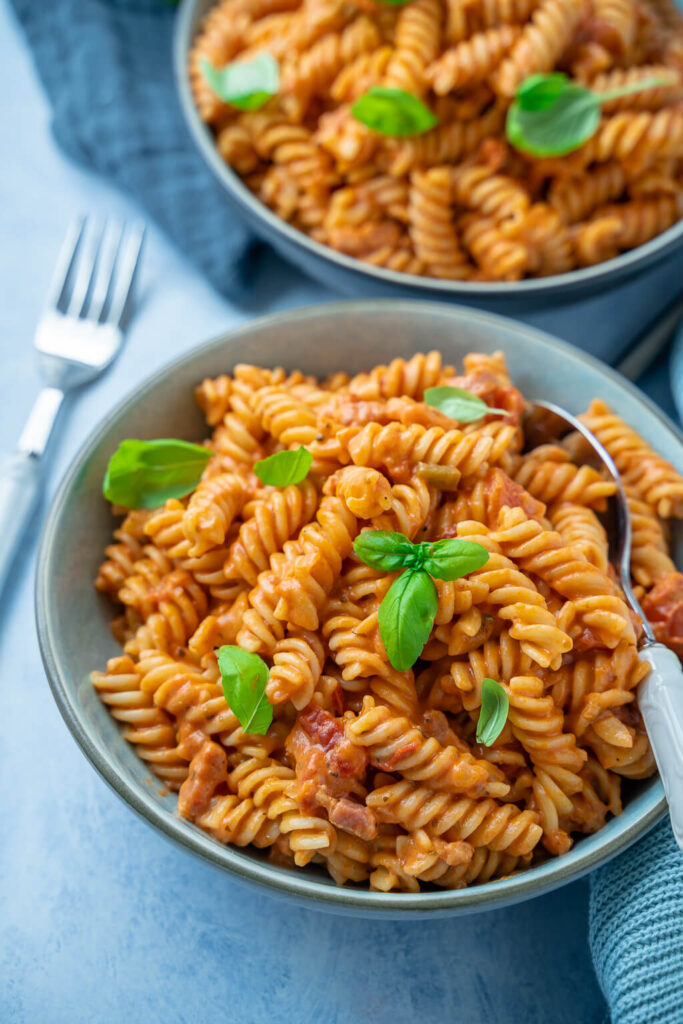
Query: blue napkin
[[106, 66], [636, 931]]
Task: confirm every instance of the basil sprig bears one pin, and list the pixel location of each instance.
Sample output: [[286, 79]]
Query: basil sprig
[[246, 85], [493, 713], [244, 676], [551, 115], [393, 112], [144, 474], [406, 614], [284, 468], [459, 404]]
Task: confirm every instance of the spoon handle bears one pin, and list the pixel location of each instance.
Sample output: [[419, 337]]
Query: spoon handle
[[660, 699]]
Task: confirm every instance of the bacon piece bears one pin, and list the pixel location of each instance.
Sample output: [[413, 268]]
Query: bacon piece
[[329, 770], [501, 490], [349, 411], [486, 386], [352, 817], [208, 769], [663, 608]]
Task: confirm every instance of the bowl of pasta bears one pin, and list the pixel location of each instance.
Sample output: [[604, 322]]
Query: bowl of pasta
[[388, 147], [320, 653]]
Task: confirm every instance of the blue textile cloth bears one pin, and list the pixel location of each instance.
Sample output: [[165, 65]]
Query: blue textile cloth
[[106, 66], [636, 931]]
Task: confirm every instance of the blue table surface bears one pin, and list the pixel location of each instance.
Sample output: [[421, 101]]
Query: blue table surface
[[101, 919]]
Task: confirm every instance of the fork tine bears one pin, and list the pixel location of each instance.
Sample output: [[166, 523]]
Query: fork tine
[[126, 267], [65, 260], [85, 271], [109, 248]]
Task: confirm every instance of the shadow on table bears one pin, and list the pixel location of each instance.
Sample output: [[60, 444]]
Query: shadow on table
[[144, 932]]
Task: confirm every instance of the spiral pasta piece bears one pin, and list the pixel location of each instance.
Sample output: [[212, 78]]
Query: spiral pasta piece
[[500, 827], [365, 492], [275, 519], [575, 198], [395, 745], [543, 553], [394, 447], [648, 474], [144, 724], [650, 561], [549, 475], [472, 60], [579, 527], [542, 41], [211, 510], [402, 377], [416, 43], [431, 224], [517, 601]]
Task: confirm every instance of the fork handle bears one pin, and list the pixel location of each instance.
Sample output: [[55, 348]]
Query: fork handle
[[660, 699], [21, 476], [20, 483]]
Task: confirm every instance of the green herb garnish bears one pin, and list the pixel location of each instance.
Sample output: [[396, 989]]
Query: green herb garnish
[[459, 404], [284, 468], [247, 85], [144, 474], [244, 676], [406, 614], [551, 115], [393, 112], [493, 712]]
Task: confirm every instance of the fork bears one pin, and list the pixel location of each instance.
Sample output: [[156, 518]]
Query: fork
[[660, 695], [77, 337]]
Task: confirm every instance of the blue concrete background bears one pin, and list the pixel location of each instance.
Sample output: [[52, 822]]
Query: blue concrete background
[[102, 920]]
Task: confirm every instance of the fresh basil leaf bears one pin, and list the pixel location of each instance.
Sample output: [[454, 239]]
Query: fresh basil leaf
[[406, 616], [393, 112], [247, 85], [450, 559], [382, 549], [244, 676], [459, 404], [565, 125], [551, 115], [537, 92], [396, 3], [493, 712], [144, 474], [284, 468]]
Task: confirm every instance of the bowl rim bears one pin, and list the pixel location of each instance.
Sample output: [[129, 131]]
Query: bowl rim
[[620, 266], [486, 896]]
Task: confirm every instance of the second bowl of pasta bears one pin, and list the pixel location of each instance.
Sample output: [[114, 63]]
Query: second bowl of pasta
[[373, 143]]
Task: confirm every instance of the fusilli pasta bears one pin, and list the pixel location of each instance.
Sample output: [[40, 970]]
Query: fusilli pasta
[[376, 774]]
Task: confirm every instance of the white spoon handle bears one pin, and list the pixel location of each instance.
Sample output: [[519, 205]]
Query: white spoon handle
[[660, 699]]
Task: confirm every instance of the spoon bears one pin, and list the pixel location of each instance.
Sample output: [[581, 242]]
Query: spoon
[[660, 695]]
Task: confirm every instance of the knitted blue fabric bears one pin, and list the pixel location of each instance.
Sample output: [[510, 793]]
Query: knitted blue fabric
[[636, 931], [106, 66]]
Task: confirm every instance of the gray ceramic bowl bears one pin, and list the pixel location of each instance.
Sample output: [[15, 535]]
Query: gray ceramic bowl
[[73, 622], [354, 278]]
